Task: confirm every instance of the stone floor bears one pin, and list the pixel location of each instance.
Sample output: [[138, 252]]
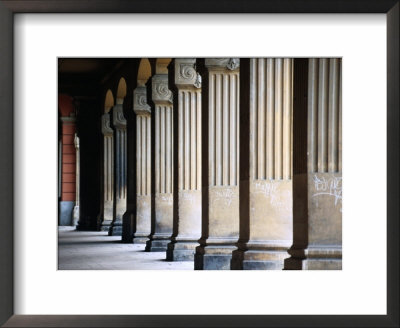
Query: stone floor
[[82, 250]]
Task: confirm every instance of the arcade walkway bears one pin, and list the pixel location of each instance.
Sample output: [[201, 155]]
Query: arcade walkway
[[82, 250]]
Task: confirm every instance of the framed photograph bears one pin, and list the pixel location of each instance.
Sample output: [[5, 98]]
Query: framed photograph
[[347, 51]]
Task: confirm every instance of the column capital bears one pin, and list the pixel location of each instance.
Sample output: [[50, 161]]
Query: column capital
[[105, 125], [119, 120], [185, 73], [140, 105], [228, 63], [160, 92]]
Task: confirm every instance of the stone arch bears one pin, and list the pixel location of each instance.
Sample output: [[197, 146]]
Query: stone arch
[[109, 101], [144, 72], [121, 91], [162, 65]]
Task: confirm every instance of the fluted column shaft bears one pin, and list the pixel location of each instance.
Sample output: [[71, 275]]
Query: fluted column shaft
[[108, 172], [163, 221], [318, 183], [221, 222], [270, 215], [143, 165], [187, 222], [120, 166]]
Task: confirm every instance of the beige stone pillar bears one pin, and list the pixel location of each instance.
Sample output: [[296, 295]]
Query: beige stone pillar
[[163, 220], [75, 218], [221, 157], [270, 227], [120, 166], [143, 165], [187, 223], [317, 179], [108, 172]]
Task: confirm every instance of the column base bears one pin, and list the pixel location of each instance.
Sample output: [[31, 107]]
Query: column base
[[212, 257], [115, 229], [315, 258], [140, 238], [181, 250], [105, 225], [258, 260], [158, 243]]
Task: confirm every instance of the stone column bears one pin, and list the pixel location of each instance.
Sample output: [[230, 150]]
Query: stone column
[[120, 166], [108, 172], [270, 155], [187, 223], [317, 177], [221, 157], [75, 218], [162, 99], [143, 165]]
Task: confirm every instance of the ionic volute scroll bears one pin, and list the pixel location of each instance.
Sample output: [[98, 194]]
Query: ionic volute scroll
[[227, 63], [119, 120], [160, 92], [233, 63], [197, 83], [105, 125], [140, 105], [186, 74]]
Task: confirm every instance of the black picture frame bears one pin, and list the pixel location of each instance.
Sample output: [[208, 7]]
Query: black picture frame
[[7, 10]]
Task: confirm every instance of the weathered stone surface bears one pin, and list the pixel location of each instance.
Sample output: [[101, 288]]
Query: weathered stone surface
[[181, 250], [270, 169], [187, 227], [325, 208], [143, 219], [223, 214], [221, 217], [163, 221], [317, 186], [214, 257], [143, 166], [323, 227]]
